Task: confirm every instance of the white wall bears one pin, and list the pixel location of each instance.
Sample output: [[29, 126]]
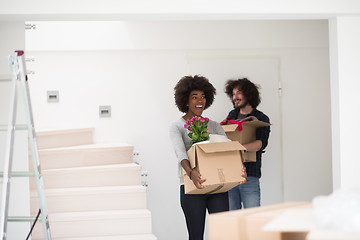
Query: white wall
[[134, 68], [345, 76], [12, 37]]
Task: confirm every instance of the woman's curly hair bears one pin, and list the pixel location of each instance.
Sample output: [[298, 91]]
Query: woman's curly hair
[[248, 89], [189, 83]]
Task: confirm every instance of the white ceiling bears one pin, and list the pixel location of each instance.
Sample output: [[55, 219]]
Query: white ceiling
[[94, 10]]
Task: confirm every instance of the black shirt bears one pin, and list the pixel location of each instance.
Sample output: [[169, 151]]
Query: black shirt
[[262, 133]]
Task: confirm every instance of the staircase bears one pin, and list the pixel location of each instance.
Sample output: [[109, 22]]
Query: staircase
[[93, 191]]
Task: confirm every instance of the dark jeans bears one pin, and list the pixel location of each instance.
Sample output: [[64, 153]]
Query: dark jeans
[[194, 207]]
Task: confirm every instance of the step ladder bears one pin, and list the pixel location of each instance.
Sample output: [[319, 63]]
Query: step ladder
[[20, 78]]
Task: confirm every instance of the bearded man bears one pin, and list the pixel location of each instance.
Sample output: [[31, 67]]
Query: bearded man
[[245, 97]]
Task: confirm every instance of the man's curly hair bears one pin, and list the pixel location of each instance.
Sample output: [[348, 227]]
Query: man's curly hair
[[189, 83], [248, 89]]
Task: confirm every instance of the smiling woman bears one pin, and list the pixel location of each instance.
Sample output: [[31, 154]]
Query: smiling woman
[[196, 104], [192, 96]]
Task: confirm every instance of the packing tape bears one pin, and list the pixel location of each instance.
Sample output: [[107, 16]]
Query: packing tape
[[222, 180]]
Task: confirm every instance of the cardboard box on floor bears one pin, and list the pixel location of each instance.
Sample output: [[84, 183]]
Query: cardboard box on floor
[[293, 220], [323, 234], [246, 135], [219, 163], [304, 220], [247, 224]]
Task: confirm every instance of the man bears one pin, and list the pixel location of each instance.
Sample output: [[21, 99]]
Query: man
[[245, 97]]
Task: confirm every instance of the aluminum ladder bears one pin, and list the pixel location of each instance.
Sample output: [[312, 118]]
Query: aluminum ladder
[[20, 78]]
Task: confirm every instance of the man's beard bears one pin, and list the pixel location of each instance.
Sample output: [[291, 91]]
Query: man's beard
[[242, 104]]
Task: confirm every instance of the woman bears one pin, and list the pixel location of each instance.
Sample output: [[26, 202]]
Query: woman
[[192, 96]]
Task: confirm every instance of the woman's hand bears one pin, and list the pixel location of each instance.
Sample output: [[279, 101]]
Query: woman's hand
[[193, 174], [197, 179], [244, 175]]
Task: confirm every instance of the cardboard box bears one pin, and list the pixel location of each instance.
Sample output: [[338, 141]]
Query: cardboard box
[[246, 135], [247, 224], [324, 234], [293, 220], [219, 163], [297, 220]]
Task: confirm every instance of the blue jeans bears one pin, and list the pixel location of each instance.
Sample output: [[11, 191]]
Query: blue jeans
[[248, 194]]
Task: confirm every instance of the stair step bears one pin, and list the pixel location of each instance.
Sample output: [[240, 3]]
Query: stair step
[[64, 138], [86, 155], [91, 199], [5, 78], [96, 224], [93, 191], [118, 237], [126, 174]]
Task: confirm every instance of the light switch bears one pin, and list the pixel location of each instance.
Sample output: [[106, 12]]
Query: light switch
[[105, 111], [52, 96]]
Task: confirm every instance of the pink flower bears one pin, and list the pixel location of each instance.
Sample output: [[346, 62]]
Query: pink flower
[[198, 129], [194, 119]]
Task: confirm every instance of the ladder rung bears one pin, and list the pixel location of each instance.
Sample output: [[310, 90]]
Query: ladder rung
[[23, 219], [19, 174], [17, 127]]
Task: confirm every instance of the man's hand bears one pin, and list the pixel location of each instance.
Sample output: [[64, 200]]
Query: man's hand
[[244, 175], [250, 118]]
